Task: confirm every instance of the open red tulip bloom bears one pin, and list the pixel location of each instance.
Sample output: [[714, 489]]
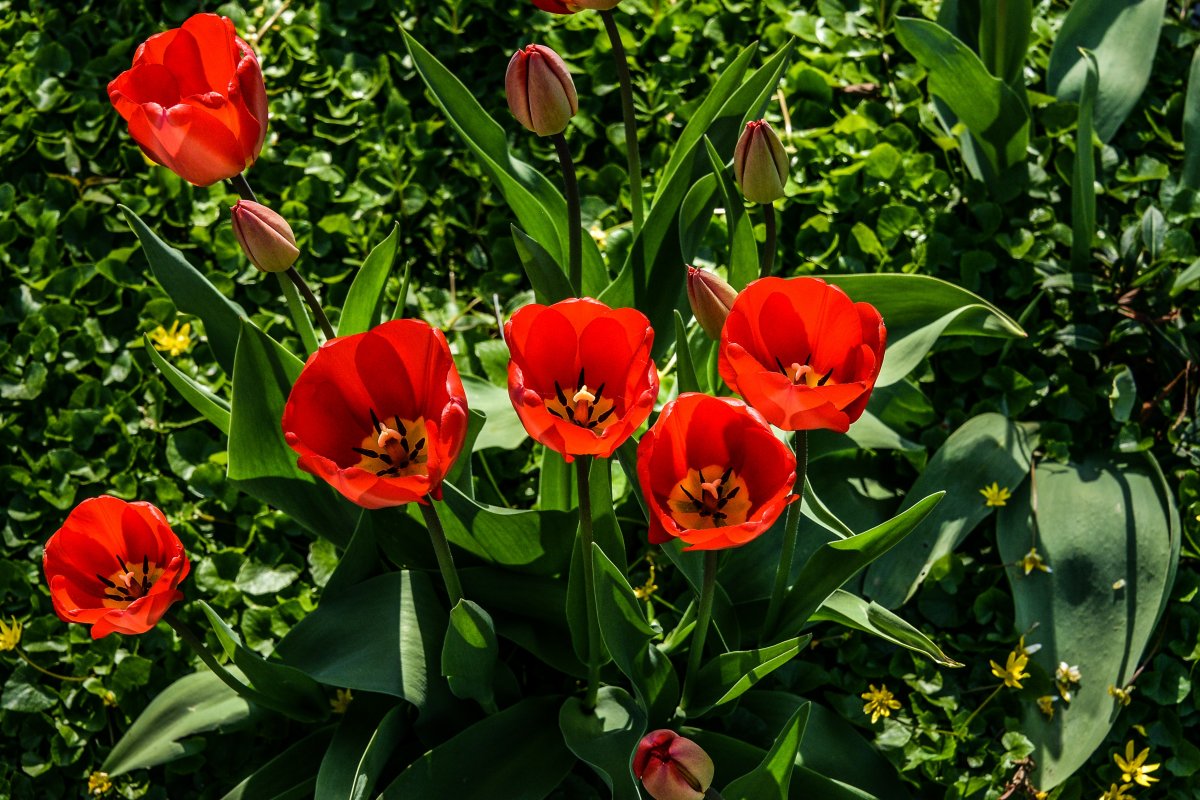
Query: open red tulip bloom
[[195, 100], [115, 566], [713, 473], [802, 353], [581, 377], [381, 416]]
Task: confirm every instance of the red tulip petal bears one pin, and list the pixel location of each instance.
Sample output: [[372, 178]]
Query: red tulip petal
[[189, 142]]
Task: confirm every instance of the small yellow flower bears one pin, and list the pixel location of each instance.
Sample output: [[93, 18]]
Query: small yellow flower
[[173, 342], [1122, 696], [994, 496], [1135, 769], [880, 702], [108, 698], [599, 236], [99, 784], [647, 589], [1045, 704], [340, 703], [1033, 560], [1013, 671], [1116, 792], [1041, 795], [10, 635]]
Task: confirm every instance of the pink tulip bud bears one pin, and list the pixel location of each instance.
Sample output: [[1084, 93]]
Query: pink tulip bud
[[265, 237], [760, 164], [540, 91], [671, 767], [711, 298]]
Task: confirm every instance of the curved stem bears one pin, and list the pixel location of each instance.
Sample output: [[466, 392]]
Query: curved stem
[[437, 535], [708, 588], [45, 671], [582, 465], [769, 246], [791, 531], [574, 215], [193, 640], [242, 187], [632, 157], [981, 706]]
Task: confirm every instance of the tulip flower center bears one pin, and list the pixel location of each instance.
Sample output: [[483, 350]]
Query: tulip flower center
[[396, 450], [581, 406], [804, 374], [131, 581], [710, 498]]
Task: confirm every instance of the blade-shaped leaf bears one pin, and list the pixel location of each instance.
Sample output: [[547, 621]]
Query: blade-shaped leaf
[[469, 653], [730, 675], [770, 779], [852, 611], [290, 775], [215, 409], [546, 276], [365, 299], [1083, 175], [368, 734], [1191, 127]]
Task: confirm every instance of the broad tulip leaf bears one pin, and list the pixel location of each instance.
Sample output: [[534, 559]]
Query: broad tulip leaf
[[852, 611], [364, 301], [1191, 132], [533, 541], [193, 704], [836, 562], [469, 653], [502, 427], [362, 746], [536, 202], [991, 110], [606, 737], [276, 685], [394, 619], [1123, 36], [546, 276], [771, 778], [685, 371], [1004, 29], [1110, 532], [730, 675], [695, 214], [1083, 174], [984, 450], [733, 756], [260, 461], [215, 409], [191, 292], [917, 309], [291, 775], [517, 754]]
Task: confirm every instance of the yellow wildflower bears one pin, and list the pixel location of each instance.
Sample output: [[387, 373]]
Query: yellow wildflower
[[108, 698], [994, 496], [1116, 792], [340, 703], [173, 342], [1135, 769], [880, 702], [1122, 696], [10, 635], [647, 589], [1033, 560], [1045, 704], [1013, 671], [99, 784]]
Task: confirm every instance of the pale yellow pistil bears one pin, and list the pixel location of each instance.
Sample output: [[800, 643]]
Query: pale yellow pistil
[[583, 407], [395, 450], [805, 374]]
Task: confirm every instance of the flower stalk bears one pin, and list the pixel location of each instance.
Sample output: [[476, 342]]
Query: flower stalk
[[437, 535], [632, 156], [708, 588], [582, 466], [791, 532], [770, 245], [574, 214]]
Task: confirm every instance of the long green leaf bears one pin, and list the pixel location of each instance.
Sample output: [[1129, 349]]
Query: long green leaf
[[730, 675], [365, 740], [852, 611], [1004, 31], [291, 774], [546, 276], [1191, 127], [1083, 174], [215, 409], [365, 298], [532, 541], [770, 779]]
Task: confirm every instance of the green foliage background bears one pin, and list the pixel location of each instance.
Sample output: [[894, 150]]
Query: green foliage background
[[355, 145]]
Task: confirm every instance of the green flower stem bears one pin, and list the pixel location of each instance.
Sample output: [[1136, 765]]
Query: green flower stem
[[582, 466], [437, 535], [631, 139], [242, 187], [713, 794], [708, 588], [769, 246], [966, 725], [308, 336], [791, 530], [45, 671], [574, 215], [193, 640]]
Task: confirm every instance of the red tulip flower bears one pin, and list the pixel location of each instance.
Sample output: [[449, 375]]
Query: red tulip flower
[[672, 767], [115, 566], [381, 416], [713, 473], [581, 376], [802, 353], [195, 100]]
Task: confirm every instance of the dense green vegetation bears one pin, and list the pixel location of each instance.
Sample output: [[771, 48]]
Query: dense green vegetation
[[356, 145]]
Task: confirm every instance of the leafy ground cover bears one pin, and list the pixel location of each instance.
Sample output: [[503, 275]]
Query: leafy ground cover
[[1107, 368]]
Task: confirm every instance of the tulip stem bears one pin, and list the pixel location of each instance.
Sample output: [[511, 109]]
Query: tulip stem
[[193, 640], [437, 535], [582, 465], [304, 326], [769, 246], [242, 187], [631, 138], [708, 588], [574, 214], [791, 531]]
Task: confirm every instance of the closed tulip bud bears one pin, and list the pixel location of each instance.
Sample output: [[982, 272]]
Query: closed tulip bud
[[760, 164], [710, 298], [265, 237], [540, 91], [671, 767], [571, 6]]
